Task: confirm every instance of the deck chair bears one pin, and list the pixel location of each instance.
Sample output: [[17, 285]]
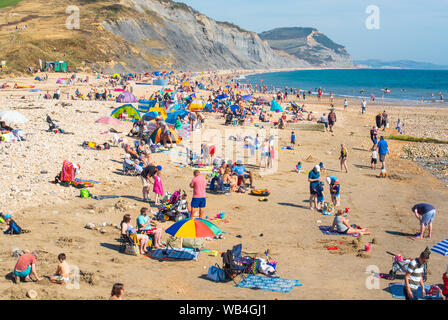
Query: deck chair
[[234, 265], [129, 169], [131, 240]]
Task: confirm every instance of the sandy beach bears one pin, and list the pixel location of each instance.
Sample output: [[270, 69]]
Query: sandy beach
[[57, 216]]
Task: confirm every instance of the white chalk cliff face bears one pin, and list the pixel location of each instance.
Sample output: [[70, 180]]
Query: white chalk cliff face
[[310, 45], [184, 39]]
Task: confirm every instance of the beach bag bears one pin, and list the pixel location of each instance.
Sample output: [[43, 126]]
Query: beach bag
[[85, 193], [68, 172], [215, 273], [131, 249], [193, 243]]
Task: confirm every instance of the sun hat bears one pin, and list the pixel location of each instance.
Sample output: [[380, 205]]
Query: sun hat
[[317, 167]]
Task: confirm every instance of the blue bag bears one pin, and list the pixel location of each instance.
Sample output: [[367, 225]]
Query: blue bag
[[215, 273]]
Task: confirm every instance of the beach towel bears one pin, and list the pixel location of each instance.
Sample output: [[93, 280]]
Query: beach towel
[[175, 254], [268, 284], [326, 230], [85, 180], [104, 197], [396, 289]]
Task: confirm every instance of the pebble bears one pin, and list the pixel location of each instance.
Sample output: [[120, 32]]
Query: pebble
[[90, 226]]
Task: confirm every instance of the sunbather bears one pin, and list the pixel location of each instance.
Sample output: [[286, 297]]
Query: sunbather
[[341, 225], [230, 180], [127, 229]]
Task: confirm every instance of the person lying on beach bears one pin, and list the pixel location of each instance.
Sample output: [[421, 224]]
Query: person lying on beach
[[341, 225], [25, 266], [62, 272]]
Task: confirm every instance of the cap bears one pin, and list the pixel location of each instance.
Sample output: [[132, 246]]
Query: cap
[[317, 167], [159, 168], [7, 216]]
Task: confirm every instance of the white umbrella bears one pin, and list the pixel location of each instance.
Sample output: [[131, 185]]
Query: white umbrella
[[11, 116]]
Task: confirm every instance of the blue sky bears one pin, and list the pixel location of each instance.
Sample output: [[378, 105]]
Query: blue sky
[[415, 30]]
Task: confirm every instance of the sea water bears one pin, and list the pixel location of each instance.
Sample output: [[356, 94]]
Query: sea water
[[404, 84]]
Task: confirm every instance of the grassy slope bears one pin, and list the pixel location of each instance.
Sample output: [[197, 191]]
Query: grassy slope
[[8, 3], [47, 38]]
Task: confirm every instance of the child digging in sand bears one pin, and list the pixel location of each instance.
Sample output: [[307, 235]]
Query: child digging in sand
[[62, 272]]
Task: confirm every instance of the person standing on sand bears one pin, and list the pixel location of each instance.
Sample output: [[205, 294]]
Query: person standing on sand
[[343, 158], [425, 213], [314, 180], [147, 177], [363, 106], [383, 150], [384, 120], [199, 185], [413, 277], [331, 119], [345, 104]]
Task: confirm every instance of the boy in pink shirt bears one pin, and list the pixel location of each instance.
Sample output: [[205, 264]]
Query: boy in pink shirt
[[199, 185]]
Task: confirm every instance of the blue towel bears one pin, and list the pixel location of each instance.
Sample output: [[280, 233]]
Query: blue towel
[[85, 180], [326, 230], [104, 197], [397, 291], [175, 253], [268, 284]]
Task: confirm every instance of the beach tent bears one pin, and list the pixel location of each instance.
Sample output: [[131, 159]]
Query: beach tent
[[196, 104], [145, 105], [38, 79], [150, 116], [160, 82], [172, 116], [276, 107], [56, 66], [155, 135], [222, 96], [115, 76], [161, 111], [126, 97], [129, 109], [62, 81], [208, 107]]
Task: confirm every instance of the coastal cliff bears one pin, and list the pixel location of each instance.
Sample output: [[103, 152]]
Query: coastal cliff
[[309, 45], [146, 35]]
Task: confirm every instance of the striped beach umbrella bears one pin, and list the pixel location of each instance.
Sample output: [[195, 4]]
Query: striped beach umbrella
[[193, 228], [441, 247]]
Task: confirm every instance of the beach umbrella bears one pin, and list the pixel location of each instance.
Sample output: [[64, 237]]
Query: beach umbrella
[[246, 98], [193, 228], [196, 105], [168, 90], [441, 247], [11, 116], [108, 120], [222, 96]]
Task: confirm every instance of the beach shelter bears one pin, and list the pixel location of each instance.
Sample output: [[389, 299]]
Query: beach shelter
[[115, 76], [38, 79], [208, 107], [150, 116], [126, 97], [222, 96], [196, 104], [193, 228], [441, 247], [56, 66], [172, 116], [161, 111], [145, 105], [127, 108], [62, 81], [275, 106], [234, 108], [155, 135]]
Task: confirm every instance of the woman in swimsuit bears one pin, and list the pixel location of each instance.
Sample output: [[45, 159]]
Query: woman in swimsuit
[[341, 225]]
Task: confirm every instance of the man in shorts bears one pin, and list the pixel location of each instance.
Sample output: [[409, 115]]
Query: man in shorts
[[314, 180], [25, 266], [425, 213], [199, 185], [383, 150]]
